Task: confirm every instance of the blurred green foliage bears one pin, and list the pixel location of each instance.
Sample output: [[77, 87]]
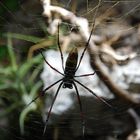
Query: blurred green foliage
[[19, 82]]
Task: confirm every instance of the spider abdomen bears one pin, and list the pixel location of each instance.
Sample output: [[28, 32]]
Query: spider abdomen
[[70, 68]]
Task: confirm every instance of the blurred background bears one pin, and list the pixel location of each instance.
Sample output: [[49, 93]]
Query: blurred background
[[24, 74]]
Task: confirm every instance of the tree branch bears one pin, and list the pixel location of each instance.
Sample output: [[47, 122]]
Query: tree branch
[[84, 32]]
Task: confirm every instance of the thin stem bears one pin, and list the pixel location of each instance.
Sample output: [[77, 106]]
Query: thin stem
[[67, 5], [11, 53], [58, 42]]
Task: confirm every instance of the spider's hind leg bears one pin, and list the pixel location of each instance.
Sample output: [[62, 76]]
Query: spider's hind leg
[[48, 116], [101, 99], [43, 92], [81, 109]]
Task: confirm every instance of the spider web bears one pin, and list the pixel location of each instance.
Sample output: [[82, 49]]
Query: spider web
[[101, 122]]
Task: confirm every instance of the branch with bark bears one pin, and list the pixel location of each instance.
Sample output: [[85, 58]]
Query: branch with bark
[[84, 33]]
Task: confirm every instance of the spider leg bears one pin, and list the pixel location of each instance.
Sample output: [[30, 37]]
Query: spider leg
[[101, 99], [87, 44], [88, 41], [62, 58], [48, 116], [81, 109], [50, 64], [85, 75], [43, 92]]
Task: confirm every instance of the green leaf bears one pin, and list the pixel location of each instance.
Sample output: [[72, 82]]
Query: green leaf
[[29, 38], [35, 73], [5, 86], [23, 115], [6, 71], [11, 53], [24, 69], [35, 88]]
